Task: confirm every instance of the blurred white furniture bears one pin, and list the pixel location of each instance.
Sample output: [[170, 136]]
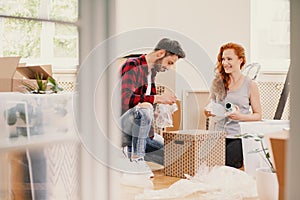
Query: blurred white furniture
[[252, 161], [39, 148]]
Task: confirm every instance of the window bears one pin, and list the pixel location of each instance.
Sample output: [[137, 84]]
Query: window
[[270, 34], [40, 31]]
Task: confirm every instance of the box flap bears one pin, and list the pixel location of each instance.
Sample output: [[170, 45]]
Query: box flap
[[8, 66], [30, 72]]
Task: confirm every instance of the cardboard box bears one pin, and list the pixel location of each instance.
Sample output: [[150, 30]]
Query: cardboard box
[[186, 150], [13, 74], [278, 142]]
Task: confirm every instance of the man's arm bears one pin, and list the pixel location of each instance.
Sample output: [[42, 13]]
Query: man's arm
[[167, 98]]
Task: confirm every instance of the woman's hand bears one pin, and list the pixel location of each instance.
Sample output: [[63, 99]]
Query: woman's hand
[[208, 113], [236, 115]]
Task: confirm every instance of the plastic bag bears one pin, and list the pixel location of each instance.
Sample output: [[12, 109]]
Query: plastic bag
[[216, 109], [163, 116]]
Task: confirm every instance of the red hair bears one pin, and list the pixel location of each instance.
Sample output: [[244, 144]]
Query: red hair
[[219, 70]]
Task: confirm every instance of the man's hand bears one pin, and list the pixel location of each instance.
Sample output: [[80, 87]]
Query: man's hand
[[167, 98]]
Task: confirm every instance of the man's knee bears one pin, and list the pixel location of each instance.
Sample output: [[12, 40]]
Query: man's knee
[[146, 115], [145, 111], [145, 105]]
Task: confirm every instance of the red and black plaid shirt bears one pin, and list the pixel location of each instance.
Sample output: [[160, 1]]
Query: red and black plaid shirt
[[134, 84]]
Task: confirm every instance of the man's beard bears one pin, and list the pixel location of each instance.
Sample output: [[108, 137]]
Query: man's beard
[[158, 66]]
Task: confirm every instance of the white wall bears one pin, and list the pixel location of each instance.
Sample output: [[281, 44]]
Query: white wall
[[208, 23]]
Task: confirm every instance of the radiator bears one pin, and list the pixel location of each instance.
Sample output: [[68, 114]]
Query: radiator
[[66, 80], [68, 86], [270, 92]]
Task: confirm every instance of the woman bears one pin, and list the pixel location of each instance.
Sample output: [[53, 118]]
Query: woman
[[231, 88]]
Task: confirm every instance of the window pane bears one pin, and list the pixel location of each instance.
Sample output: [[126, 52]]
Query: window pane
[[40, 42], [21, 38], [28, 8], [65, 41], [64, 10], [61, 10]]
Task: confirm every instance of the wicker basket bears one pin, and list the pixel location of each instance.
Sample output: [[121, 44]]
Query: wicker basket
[[186, 150]]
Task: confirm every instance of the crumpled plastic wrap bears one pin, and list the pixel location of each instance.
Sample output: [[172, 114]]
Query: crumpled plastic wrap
[[217, 183], [179, 189], [216, 109], [164, 113]]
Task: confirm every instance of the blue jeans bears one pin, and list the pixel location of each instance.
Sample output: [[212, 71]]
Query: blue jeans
[[136, 124], [154, 151]]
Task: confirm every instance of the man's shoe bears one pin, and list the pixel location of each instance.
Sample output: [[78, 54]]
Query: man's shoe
[[143, 167]]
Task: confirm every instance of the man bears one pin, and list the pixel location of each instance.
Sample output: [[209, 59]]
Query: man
[[139, 95]]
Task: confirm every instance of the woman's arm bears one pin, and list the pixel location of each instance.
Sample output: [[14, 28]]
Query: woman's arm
[[255, 102]]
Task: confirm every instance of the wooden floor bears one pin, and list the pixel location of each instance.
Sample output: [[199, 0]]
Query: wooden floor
[[160, 181]]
